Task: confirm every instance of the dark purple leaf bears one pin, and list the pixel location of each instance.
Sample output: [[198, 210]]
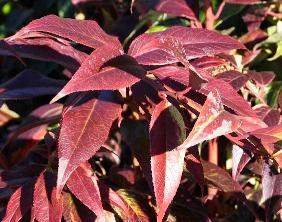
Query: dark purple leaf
[[166, 47], [47, 206], [85, 32], [29, 84], [212, 122], [234, 78], [105, 69], [85, 127], [177, 8], [167, 131], [83, 184]]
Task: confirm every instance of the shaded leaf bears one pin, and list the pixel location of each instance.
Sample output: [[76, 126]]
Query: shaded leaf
[[83, 184], [177, 8], [84, 128], [212, 122], [219, 178], [29, 84], [105, 69], [271, 134], [167, 131], [47, 206], [254, 18], [46, 49], [194, 166], [271, 190], [19, 204], [149, 48]]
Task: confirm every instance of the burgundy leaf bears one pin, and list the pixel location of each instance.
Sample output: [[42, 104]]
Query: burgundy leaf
[[234, 78], [85, 32], [220, 178], [254, 18], [161, 48], [250, 39], [120, 71], [271, 190], [177, 8], [47, 206], [194, 166], [207, 62], [243, 2], [262, 78], [269, 134], [83, 184], [212, 122], [19, 203], [270, 116], [84, 128], [29, 84], [46, 49], [230, 97], [167, 131], [178, 74], [239, 160]]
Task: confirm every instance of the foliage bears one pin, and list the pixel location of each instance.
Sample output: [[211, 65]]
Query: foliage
[[134, 110]]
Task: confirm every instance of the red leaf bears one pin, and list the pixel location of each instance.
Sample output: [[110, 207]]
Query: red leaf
[[239, 160], [207, 62], [269, 134], [46, 205], [178, 74], [167, 131], [212, 122], [19, 204], [254, 18], [234, 78], [120, 71], [161, 48], [177, 8], [85, 32], [243, 2], [229, 96], [46, 49], [262, 78], [24, 86], [83, 184], [270, 116], [84, 128]]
